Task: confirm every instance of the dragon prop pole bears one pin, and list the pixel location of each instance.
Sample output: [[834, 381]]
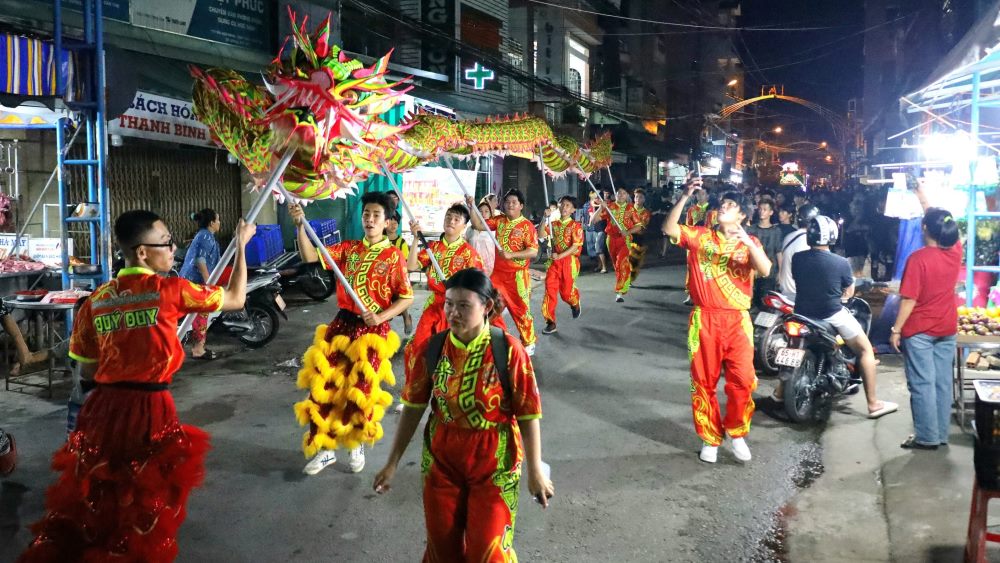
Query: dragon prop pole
[[409, 213], [475, 208], [326, 255], [573, 162], [250, 217]]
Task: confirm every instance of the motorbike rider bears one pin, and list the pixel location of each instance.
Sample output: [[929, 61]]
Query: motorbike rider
[[793, 243], [824, 280]]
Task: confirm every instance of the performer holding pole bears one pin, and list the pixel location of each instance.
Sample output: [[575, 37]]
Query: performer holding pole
[[622, 225], [560, 279], [472, 206], [128, 468], [518, 245], [346, 403], [722, 262]]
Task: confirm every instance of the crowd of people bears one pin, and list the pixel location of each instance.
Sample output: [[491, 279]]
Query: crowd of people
[[128, 467]]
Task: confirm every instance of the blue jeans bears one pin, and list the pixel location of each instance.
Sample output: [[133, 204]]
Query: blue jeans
[[928, 362]]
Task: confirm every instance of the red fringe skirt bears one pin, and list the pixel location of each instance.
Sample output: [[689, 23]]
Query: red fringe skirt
[[125, 476]]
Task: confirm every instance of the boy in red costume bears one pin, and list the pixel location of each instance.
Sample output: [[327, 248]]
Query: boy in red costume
[[346, 404], [519, 246], [560, 279], [453, 254], [127, 469], [722, 262], [620, 216]]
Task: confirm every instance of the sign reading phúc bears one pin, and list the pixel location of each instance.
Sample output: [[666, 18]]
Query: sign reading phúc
[[160, 118]]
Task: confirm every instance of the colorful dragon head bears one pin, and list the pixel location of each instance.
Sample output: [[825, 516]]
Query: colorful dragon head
[[327, 107]]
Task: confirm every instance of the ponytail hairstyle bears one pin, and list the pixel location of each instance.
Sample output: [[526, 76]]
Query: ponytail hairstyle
[[205, 217], [941, 227], [476, 281]]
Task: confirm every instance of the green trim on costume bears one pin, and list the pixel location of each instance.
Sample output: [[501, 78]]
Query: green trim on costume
[[420, 406], [134, 270], [82, 359], [529, 417]]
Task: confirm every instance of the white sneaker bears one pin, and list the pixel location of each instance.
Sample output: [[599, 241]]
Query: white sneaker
[[530, 349], [619, 298], [709, 453], [398, 408], [356, 459], [320, 461], [740, 449]]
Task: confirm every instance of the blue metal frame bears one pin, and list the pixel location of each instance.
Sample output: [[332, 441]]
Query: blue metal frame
[[94, 121]]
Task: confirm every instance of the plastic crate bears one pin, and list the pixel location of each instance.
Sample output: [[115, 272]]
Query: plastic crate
[[265, 245], [325, 228]]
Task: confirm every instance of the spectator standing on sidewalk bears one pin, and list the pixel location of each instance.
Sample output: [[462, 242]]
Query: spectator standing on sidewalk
[[200, 259], [926, 326], [770, 236]]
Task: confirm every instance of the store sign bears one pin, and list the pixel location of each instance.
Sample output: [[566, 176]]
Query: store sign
[[162, 119], [479, 76], [112, 9], [7, 243], [48, 251], [242, 23], [431, 191], [435, 56]]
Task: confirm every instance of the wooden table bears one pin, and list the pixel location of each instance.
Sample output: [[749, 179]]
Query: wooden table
[[44, 316]]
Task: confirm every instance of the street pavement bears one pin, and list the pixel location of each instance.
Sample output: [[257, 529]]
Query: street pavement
[[616, 431]]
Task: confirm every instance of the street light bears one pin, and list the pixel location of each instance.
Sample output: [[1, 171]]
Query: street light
[[822, 145], [733, 82], [778, 129]]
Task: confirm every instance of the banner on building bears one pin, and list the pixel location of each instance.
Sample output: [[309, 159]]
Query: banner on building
[[242, 23], [7, 244], [431, 191], [162, 119], [436, 54]]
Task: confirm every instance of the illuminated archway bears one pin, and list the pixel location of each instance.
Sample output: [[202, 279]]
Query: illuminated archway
[[838, 123]]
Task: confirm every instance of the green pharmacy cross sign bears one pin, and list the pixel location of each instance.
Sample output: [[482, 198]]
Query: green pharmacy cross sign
[[479, 75]]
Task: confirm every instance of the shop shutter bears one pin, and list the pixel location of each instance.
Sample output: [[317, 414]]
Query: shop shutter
[[170, 181]]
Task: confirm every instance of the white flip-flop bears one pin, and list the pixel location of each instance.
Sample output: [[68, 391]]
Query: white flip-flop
[[888, 407]]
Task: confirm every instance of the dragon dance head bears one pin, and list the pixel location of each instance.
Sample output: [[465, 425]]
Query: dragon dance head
[[319, 102]]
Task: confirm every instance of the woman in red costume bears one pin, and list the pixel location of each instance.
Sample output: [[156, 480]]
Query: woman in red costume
[[472, 444], [127, 469]]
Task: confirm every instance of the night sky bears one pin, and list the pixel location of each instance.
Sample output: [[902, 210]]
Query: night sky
[[823, 66]]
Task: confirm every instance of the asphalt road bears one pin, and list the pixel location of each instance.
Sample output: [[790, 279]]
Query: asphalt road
[[617, 433]]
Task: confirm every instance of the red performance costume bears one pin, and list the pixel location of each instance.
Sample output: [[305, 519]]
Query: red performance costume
[[719, 331], [695, 214], [619, 244], [472, 447], [511, 277], [452, 257], [127, 469], [560, 279], [348, 360]]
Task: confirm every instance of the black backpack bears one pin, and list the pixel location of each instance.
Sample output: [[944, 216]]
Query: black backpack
[[498, 343]]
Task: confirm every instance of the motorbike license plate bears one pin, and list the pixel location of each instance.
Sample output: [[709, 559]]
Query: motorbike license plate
[[280, 302], [765, 319], [790, 357]]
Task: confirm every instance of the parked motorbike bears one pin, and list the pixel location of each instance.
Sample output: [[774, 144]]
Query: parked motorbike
[[309, 278], [769, 330], [257, 322], [816, 366]]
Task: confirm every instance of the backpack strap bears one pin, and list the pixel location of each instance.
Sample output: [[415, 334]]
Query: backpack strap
[[498, 343], [791, 242]]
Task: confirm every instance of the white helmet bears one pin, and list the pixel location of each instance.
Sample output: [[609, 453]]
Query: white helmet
[[822, 231]]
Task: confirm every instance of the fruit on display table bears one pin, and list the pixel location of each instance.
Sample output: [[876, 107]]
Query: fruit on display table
[[979, 321]]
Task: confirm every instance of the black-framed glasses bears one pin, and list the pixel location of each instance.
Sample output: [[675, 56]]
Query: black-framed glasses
[[168, 244]]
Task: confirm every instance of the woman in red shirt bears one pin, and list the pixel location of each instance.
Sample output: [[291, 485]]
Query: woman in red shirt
[[926, 324]]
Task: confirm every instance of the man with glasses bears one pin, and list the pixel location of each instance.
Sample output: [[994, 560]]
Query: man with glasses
[[129, 446], [722, 263]]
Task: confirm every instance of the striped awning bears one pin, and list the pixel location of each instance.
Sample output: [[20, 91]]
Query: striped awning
[[28, 67]]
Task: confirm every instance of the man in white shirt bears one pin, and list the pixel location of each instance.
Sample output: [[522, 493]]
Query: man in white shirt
[[794, 242]]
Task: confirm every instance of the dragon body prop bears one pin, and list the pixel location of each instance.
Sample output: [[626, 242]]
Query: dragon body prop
[[328, 108]]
